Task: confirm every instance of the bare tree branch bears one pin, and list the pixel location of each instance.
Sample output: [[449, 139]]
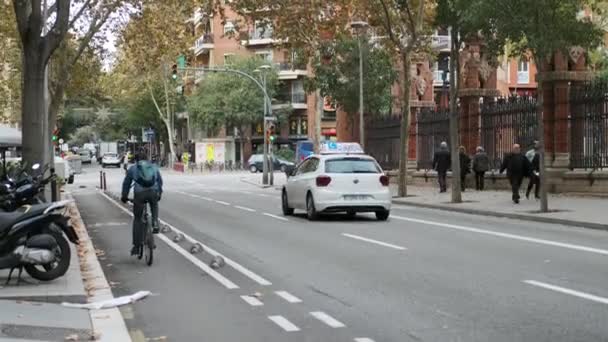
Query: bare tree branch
[[59, 30], [388, 24], [23, 9], [79, 13]]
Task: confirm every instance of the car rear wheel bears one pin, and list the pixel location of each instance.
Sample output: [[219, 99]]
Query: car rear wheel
[[283, 168], [383, 215], [253, 169], [311, 211], [287, 211]]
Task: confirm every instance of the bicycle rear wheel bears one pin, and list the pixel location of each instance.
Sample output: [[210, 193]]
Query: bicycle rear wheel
[[149, 248]]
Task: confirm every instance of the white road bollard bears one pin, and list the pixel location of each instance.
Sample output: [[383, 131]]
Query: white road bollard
[[217, 262], [196, 248], [178, 237]]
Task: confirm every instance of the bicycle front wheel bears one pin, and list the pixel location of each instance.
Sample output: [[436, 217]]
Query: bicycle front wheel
[[149, 247]]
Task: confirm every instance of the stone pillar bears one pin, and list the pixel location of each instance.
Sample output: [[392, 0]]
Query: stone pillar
[[560, 115]]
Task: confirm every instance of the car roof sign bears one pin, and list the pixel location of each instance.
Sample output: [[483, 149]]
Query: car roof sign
[[332, 147]]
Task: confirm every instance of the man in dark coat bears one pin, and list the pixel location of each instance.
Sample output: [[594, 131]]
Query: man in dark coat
[[533, 156], [518, 167], [481, 164], [441, 163], [465, 167]]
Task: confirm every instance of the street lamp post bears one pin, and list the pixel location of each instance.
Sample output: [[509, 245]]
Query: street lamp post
[[266, 166], [360, 26]]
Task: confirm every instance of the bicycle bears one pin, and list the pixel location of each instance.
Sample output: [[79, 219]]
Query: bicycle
[[147, 248]]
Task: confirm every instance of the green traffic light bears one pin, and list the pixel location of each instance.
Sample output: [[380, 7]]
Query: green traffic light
[[54, 138], [272, 138], [174, 76]]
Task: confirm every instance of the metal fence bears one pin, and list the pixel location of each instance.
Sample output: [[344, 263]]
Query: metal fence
[[383, 141], [433, 128], [508, 121], [589, 125]]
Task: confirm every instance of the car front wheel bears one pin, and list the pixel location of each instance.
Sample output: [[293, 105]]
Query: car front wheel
[[383, 215], [253, 169], [287, 211], [311, 211]]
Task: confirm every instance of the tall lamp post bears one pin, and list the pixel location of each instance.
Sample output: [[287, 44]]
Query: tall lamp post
[[360, 27], [262, 70]]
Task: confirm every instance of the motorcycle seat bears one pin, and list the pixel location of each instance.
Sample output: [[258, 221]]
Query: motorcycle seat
[[8, 219]]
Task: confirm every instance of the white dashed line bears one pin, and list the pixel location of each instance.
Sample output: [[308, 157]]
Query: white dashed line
[[284, 323], [275, 217], [506, 235], [252, 301], [327, 319], [245, 208], [288, 297], [221, 202], [385, 244], [363, 339], [263, 195], [564, 290]]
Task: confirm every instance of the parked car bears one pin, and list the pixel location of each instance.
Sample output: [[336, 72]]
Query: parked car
[[111, 159], [256, 163], [85, 156]]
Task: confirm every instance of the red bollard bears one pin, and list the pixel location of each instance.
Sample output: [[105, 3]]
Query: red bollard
[[104, 182], [101, 180]]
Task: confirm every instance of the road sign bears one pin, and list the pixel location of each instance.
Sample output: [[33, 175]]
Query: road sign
[[60, 141], [270, 118]]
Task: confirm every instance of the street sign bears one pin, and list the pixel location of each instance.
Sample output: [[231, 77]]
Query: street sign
[[60, 141], [270, 118]]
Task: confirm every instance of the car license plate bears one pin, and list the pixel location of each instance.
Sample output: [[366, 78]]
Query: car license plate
[[355, 197]]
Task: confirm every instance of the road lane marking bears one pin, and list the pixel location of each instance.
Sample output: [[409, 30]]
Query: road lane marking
[[275, 217], [363, 339], [574, 293], [221, 202], [385, 244], [197, 262], [284, 323], [507, 235], [245, 208], [252, 301], [288, 297], [327, 319]]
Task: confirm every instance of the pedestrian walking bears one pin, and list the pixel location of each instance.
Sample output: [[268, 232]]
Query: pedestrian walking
[[518, 167], [481, 165], [465, 167], [533, 156], [442, 163]]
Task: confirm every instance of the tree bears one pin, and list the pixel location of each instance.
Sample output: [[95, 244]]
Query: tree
[[83, 135], [231, 100], [10, 66], [541, 28], [407, 26], [148, 65], [299, 24], [42, 27], [338, 77]]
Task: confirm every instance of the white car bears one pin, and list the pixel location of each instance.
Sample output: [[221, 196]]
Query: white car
[[111, 159], [334, 181]]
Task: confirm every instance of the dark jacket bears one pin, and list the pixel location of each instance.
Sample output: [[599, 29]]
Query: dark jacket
[[465, 163], [442, 161], [132, 175], [481, 162], [517, 166], [536, 162]]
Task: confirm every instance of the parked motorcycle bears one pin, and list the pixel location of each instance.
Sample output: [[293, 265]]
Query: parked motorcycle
[[32, 238], [23, 189]]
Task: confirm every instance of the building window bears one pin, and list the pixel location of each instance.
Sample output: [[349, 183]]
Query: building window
[[304, 126], [523, 71], [293, 126], [266, 56], [228, 58], [229, 27]]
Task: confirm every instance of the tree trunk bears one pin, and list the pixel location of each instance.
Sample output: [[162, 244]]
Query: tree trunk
[[454, 87], [406, 83], [544, 199], [33, 110]]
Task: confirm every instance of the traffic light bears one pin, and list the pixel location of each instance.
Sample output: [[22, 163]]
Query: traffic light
[[174, 72], [55, 135], [270, 134]]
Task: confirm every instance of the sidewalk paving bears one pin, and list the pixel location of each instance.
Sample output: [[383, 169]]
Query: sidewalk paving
[[568, 210]]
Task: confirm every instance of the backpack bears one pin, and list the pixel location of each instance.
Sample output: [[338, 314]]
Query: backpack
[[146, 174]]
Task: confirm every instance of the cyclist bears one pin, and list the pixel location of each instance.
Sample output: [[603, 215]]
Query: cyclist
[[148, 189]]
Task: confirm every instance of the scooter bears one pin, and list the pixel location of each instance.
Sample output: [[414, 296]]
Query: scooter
[[32, 238], [25, 190]]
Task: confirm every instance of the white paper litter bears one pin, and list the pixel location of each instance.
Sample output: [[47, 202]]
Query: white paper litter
[[111, 303]]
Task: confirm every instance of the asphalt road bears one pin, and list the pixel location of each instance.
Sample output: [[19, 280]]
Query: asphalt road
[[424, 275]]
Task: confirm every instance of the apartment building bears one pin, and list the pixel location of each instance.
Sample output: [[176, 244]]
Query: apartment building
[[218, 42]]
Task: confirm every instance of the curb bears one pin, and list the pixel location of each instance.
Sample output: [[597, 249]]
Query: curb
[[522, 217], [108, 324], [256, 184]]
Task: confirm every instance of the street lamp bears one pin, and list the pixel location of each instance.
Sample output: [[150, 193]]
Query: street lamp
[[360, 27], [262, 70]]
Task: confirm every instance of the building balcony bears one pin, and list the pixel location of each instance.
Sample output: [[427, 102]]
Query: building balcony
[[441, 42], [290, 71], [438, 78], [203, 44], [259, 37], [296, 100]]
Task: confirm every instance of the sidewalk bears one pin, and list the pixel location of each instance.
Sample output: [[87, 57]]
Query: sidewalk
[[31, 311], [567, 210]]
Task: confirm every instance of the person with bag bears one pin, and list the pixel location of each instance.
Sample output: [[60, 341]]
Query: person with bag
[[147, 184], [465, 167], [481, 165]]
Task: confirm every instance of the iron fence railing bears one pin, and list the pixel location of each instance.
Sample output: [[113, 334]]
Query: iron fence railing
[[433, 127]]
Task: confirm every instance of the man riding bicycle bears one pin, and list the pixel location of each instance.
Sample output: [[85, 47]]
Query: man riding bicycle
[[148, 189]]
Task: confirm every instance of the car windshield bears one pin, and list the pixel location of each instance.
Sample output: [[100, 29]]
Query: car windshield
[[110, 155], [351, 165]]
